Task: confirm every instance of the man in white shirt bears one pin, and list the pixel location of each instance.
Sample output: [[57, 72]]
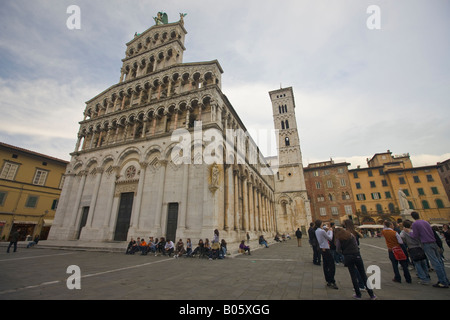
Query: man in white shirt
[[323, 237], [169, 247]]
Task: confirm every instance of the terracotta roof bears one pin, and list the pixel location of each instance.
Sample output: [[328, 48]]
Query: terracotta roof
[[32, 152]]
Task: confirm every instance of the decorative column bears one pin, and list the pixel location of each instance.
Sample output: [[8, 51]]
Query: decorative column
[[250, 206], [245, 202], [159, 203], [184, 197], [76, 208], [236, 200], [135, 215], [98, 179]]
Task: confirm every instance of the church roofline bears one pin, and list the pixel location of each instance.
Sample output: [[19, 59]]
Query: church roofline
[[125, 83], [161, 26]]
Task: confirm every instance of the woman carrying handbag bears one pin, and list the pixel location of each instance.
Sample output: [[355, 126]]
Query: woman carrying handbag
[[396, 254]]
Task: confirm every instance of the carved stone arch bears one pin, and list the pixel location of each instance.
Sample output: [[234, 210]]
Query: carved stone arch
[[91, 164], [160, 111], [160, 56], [126, 153], [182, 105], [122, 121], [150, 113], [151, 151], [131, 118], [185, 78], [140, 116], [106, 159], [175, 76], [208, 78], [77, 167]]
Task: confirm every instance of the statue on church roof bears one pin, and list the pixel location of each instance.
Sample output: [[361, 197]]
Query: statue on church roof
[[162, 18], [182, 15]]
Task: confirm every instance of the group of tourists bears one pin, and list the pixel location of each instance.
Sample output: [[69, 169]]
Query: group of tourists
[[416, 246], [163, 246]]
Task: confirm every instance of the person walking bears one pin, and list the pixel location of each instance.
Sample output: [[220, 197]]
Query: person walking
[[446, 232], [13, 240], [416, 253], [298, 234], [323, 237], [393, 241], [314, 244], [347, 245], [422, 231]]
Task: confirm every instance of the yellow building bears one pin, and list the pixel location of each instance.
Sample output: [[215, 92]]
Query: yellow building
[[30, 186], [376, 190]]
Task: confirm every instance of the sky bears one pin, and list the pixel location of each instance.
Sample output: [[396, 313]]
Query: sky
[[358, 90]]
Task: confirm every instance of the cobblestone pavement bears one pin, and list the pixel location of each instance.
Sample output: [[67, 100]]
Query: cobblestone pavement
[[283, 271]]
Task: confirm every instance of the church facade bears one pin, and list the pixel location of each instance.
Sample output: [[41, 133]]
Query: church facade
[[164, 153]]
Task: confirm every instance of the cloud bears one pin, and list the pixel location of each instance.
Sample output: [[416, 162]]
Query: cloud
[[43, 112], [358, 91]]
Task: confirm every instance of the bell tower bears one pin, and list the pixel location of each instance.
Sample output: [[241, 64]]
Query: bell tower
[[292, 203]]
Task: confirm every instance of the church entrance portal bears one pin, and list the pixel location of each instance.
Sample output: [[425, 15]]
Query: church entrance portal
[[124, 216], [172, 221]]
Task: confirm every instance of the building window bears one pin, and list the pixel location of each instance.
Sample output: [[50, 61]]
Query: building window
[[372, 184], [421, 192], [287, 124], [363, 209], [348, 209], [323, 211], [401, 180], [2, 197], [430, 178], [425, 204], [361, 196], [416, 179], [439, 203], [391, 207], [286, 141], [376, 195], [9, 171], [434, 190], [318, 185], [329, 183], [358, 185], [315, 173], [370, 173], [31, 202], [282, 125], [334, 211], [387, 195], [379, 208], [384, 183], [40, 177], [406, 192], [343, 183], [55, 204], [355, 174]]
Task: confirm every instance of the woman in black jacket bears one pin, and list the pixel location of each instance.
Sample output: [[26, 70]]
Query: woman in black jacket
[[346, 244]]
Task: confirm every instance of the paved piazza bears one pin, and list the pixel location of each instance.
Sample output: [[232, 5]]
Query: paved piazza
[[281, 272]]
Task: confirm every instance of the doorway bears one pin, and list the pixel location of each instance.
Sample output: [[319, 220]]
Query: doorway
[[124, 216], [172, 221], [83, 221]]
